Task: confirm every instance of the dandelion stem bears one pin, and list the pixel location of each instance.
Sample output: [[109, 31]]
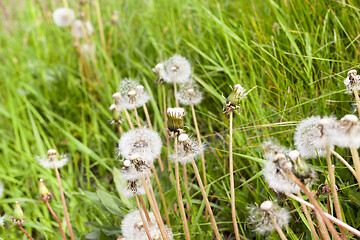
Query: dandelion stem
[[64, 204], [156, 214], [186, 183], [308, 217], [143, 218], [316, 204], [232, 187], [207, 203], [357, 99], [178, 191], [137, 117], [322, 226], [278, 228], [175, 93], [330, 217], [56, 218], [334, 190], [25, 232], [131, 125], [346, 164], [202, 153], [355, 157], [144, 208], [120, 129], [151, 127]]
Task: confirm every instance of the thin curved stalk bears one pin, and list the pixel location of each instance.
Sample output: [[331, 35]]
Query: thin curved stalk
[[322, 226], [131, 125], [355, 157], [338, 156], [143, 218], [26, 233], [186, 183], [278, 229], [144, 208], [56, 218], [308, 217], [64, 204]]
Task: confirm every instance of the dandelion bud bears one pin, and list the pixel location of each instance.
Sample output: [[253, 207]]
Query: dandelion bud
[[233, 100], [175, 119], [18, 219], [63, 17], [114, 18], [45, 194], [176, 69]]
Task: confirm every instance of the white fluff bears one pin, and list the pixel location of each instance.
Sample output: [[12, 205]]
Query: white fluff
[[347, 132], [130, 188], [352, 81], [132, 94], [189, 149], [81, 29], [142, 141], [45, 162], [188, 94], [63, 17], [175, 69], [2, 218], [2, 189]]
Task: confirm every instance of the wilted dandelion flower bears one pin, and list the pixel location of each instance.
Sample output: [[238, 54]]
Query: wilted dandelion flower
[[63, 17], [133, 94], [313, 134], [233, 100], [52, 160], [264, 216], [81, 29], [188, 94], [132, 227], [175, 69], [175, 118], [347, 132], [142, 141], [352, 81], [188, 149]]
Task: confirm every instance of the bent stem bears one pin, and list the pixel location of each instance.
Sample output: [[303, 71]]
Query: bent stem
[[64, 204], [357, 99], [355, 157], [330, 217], [232, 187], [334, 191], [143, 218], [56, 218], [278, 229], [308, 217], [207, 203], [316, 204], [25, 232], [178, 193], [338, 156], [202, 153], [156, 214]]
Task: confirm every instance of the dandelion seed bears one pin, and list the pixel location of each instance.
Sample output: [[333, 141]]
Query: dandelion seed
[[188, 150], [352, 81], [135, 168], [132, 227], [313, 134], [262, 217], [63, 17], [81, 29], [133, 94], [188, 94], [130, 188], [175, 69], [142, 141], [52, 160]]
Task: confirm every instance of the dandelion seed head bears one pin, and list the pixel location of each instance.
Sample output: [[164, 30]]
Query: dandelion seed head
[[347, 132], [312, 135], [175, 69], [130, 188], [142, 141], [81, 29], [132, 226], [188, 149], [52, 159], [188, 94], [261, 217], [63, 17], [133, 94], [352, 81]]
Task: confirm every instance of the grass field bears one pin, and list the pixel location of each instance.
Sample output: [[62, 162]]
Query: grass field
[[296, 53]]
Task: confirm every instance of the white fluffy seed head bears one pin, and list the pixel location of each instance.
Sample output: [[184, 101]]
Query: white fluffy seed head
[[63, 17], [133, 94], [129, 187], [352, 81], [188, 150], [175, 69], [312, 135], [142, 141], [347, 133], [262, 218], [80, 29], [52, 159], [188, 94]]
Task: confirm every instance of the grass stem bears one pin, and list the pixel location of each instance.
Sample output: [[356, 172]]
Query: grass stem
[[355, 157]]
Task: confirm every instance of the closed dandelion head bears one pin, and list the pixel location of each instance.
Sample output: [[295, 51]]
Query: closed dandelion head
[[188, 150], [19, 218], [52, 159], [347, 132], [188, 94], [63, 17], [313, 134], [142, 141], [263, 217], [233, 100], [116, 115], [133, 94], [81, 29], [176, 69], [175, 118], [44, 193], [352, 82], [118, 101]]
